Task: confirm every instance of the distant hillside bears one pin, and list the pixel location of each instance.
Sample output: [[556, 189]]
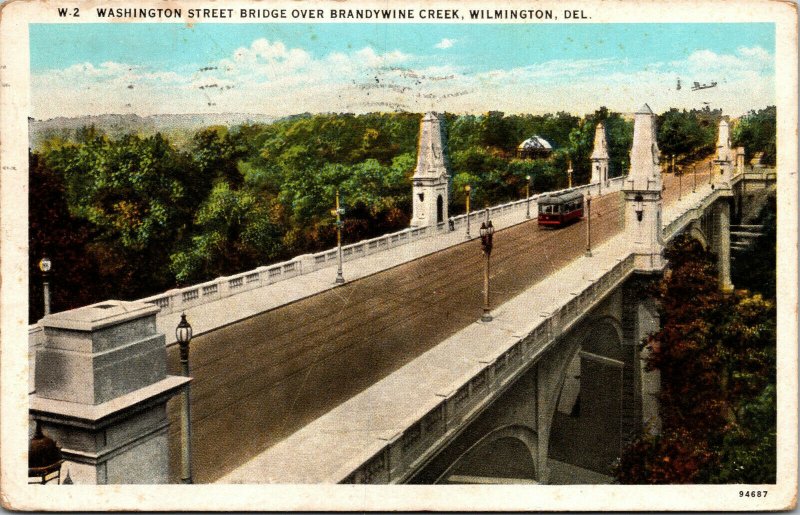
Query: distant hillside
[[116, 125]]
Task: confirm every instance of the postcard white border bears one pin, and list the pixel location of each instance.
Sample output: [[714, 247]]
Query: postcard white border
[[16, 494]]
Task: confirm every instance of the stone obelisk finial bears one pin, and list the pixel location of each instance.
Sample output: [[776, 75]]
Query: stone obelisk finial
[[599, 156], [643, 195], [645, 172], [724, 163], [430, 180]]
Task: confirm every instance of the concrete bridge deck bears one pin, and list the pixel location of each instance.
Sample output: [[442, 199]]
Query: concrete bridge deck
[[261, 380], [368, 427], [269, 375]]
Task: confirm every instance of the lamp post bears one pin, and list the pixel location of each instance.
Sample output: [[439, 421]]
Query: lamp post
[[487, 232], [710, 172], [569, 174], [339, 212], [468, 189], [183, 334], [694, 176], [679, 173], [44, 266], [589, 225], [528, 196]]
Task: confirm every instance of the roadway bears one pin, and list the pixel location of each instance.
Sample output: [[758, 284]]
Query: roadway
[[260, 380]]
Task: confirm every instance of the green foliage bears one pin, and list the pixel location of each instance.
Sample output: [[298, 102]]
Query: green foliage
[[54, 233], [688, 134], [756, 132], [619, 137], [716, 358]]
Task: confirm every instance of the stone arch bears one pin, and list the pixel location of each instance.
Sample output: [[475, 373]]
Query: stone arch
[[520, 433], [585, 411], [606, 325], [696, 233], [439, 209], [573, 349]]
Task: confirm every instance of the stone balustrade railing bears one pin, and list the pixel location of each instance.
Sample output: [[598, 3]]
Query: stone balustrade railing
[[395, 460], [679, 223]]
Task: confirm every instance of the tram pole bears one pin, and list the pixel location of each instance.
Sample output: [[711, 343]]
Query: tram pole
[[487, 233], [589, 225], [528, 196], [339, 274], [468, 189]]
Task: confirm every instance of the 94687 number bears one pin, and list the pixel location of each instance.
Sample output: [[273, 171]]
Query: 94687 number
[[752, 493]]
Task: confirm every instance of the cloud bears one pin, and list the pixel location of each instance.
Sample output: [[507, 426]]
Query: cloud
[[268, 77], [445, 43], [707, 61]]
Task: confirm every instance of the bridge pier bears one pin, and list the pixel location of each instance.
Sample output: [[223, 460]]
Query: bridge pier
[[722, 208], [722, 242], [551, 376], [639, 319]]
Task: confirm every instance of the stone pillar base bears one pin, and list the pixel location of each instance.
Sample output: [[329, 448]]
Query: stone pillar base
[[117, 442]]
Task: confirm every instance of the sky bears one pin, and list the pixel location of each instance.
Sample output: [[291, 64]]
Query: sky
[[283, 69]]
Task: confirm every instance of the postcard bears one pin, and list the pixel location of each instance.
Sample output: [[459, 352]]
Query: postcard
[[428, 255]]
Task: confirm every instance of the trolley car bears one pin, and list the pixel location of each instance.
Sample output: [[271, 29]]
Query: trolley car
[[560, 209]]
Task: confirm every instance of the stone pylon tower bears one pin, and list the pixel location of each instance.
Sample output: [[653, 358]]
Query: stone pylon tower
[[600, 157], [724, 161], [431, 178], [643, 195]]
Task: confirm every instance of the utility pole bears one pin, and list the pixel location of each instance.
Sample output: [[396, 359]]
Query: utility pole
[[339, 211]]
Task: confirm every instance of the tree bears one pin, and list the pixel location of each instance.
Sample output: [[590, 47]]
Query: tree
[[756, 132], [716, 357], [136, 195], [686, 134], [54, 232]]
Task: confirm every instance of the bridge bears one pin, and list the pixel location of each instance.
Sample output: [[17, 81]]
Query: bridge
[[391, 378]]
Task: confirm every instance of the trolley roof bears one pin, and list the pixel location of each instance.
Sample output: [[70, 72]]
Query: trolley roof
[[560, 198]]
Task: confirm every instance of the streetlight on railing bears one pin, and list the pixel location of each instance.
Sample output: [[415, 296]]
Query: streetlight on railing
[[589, 224], [487, 235], [339, 211], [183, 335], [468, 189], [527, 196], [44, 266]]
